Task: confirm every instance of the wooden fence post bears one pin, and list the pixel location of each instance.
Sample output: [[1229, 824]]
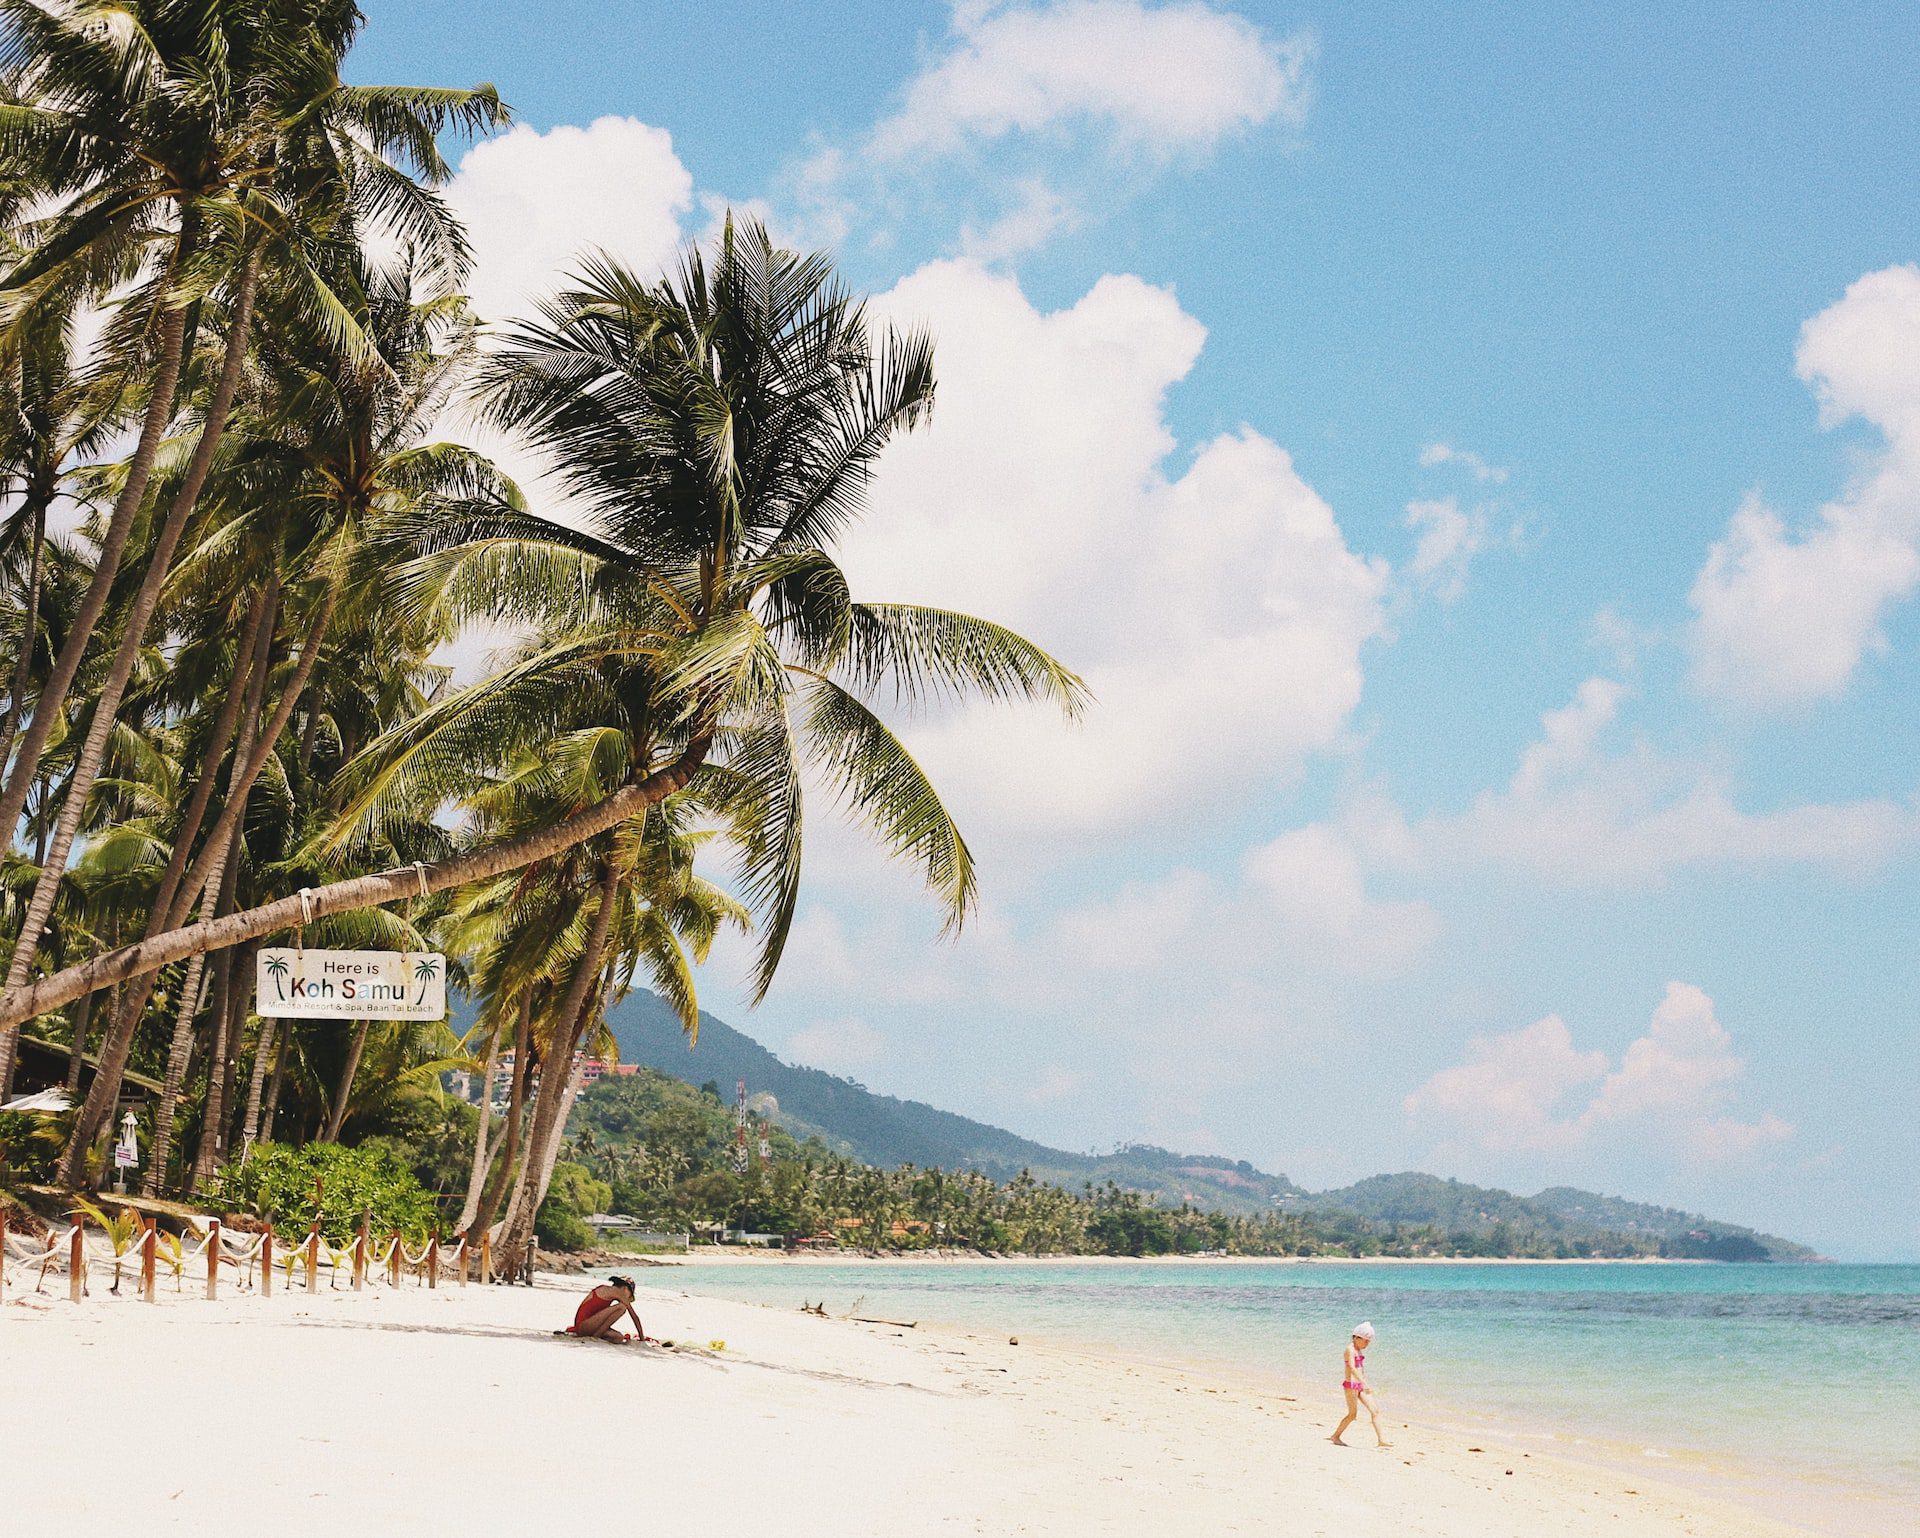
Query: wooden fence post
[[77, 1264], [213, 1258], [393, 1259], [433, 1261], [266, 1264], [360, 1254], [313, 1254], [486, 1256], [149, 1246]]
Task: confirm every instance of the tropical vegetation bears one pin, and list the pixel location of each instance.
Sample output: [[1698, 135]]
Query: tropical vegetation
[[236, 540], [663, 1153]]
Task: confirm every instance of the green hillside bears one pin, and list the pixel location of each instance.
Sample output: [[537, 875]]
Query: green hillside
[[1562, 1211], [1720, 1240], [885, 1131]]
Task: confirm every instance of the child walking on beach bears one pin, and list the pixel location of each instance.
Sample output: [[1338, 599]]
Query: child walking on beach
[[1354, 1381]]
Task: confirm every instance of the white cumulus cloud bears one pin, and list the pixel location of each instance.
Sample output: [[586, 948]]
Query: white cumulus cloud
[[1784, 616], [1533, 1090], [534, 202], [1576, 811], [1217, 613], [1162, 78], [1315, 884]]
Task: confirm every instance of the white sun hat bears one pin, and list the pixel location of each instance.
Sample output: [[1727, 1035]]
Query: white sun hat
[[1363, 1330]]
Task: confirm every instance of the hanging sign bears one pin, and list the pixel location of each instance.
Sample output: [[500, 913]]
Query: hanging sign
[[351, 985]]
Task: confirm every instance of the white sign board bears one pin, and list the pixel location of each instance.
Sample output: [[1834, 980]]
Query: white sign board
[[125, 1157], [351, 985]]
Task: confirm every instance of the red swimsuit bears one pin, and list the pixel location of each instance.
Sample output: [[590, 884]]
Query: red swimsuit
[[589, 1306]]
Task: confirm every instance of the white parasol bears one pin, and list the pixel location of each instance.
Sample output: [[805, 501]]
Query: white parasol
[[45, 1100]]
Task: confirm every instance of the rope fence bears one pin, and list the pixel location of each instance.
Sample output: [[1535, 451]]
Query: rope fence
[[250, 1258]]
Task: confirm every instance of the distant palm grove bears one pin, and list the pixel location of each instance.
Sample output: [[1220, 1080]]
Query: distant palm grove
[[238, 528], [660, 1151]]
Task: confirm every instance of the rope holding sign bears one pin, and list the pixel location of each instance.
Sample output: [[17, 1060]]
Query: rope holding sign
[[306, 918]]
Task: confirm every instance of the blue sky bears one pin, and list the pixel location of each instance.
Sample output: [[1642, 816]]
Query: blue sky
[[1474, 451]]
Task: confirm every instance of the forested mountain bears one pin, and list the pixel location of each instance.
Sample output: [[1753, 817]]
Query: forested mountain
[[882, 1130], [885, 1131], [1624, 1217], [1460, 1208]]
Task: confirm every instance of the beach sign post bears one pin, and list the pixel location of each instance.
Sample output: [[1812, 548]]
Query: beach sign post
[[292, 983]]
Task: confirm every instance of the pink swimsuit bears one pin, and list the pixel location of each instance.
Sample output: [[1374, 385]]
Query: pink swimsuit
[[1359, 1362]]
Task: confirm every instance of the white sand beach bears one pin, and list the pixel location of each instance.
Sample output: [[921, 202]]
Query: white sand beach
[[457, 1410]]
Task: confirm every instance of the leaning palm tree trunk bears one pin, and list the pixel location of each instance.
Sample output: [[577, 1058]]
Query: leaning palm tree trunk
[[106, 707], [179, 1055], [477, 1176], [212, 884], [248, 764], [370, 891], [555, 1080], [511, 1134], [49, 706], [256, 1085], [172, 902], [550, 1155], [270, 1112], [29, 631], [337, 1115], [213, 1123], [77, 1053], [243, 694], [106, 566]]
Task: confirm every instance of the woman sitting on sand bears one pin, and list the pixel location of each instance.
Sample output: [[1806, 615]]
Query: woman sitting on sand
[[600, 1311], [1354, 1381]]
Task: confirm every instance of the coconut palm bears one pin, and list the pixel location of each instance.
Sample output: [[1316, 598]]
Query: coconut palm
[[720, 427], [329, 449], [555, 943], [218, 133], [47, 418]]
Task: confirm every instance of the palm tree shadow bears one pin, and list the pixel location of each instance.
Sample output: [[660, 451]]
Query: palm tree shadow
[[471, 1331], [706, 1359]]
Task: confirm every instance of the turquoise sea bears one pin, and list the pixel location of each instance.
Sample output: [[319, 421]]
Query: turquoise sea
[[1795, 1384]]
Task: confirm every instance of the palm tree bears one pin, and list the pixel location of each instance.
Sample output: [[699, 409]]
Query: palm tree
[[220, 132], [553, 943], [47, 418], [330, 450], [722, 426]]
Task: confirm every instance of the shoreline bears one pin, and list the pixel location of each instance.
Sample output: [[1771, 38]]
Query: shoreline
[[758, 1255], [301, 1412], [1822, 1498]]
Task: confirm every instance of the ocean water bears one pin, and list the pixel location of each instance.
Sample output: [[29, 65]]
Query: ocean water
[[1799, 1385]]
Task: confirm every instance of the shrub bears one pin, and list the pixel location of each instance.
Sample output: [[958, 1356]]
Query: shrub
[[30, 1144], [559, 1228], [277, 1183]]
